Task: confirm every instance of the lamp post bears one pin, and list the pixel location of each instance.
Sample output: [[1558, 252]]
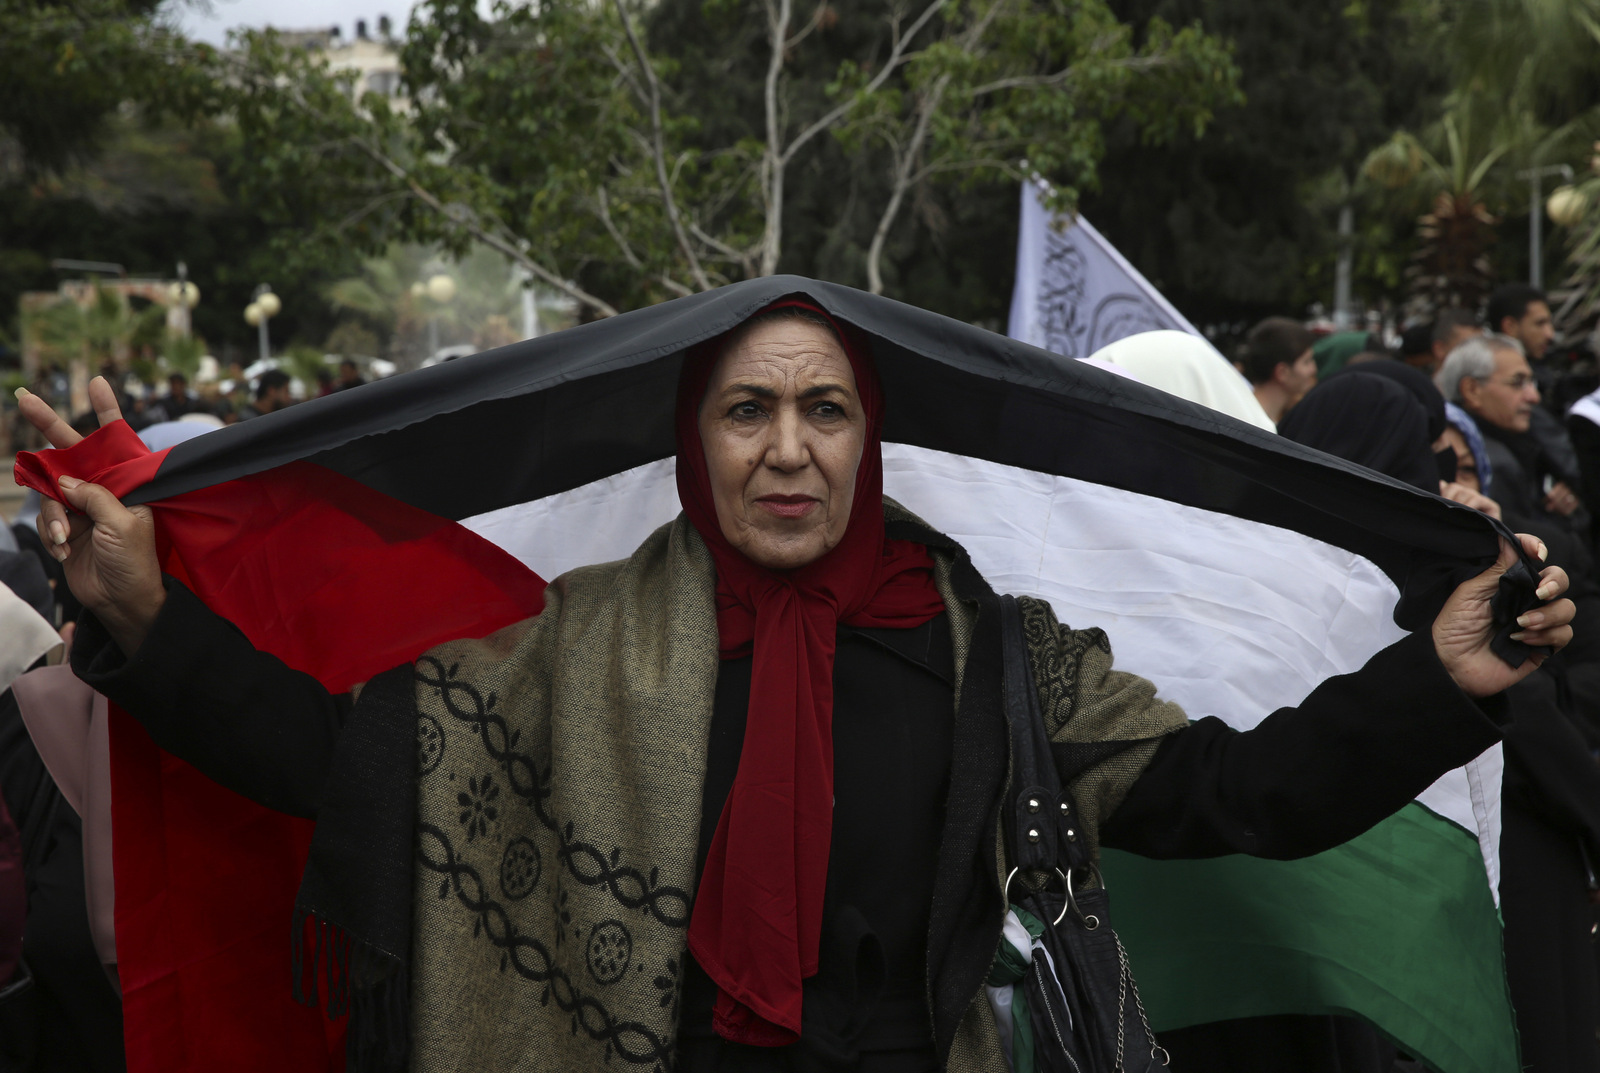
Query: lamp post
[[1536, 217], [440, 290], [185, 296], [263, 308]]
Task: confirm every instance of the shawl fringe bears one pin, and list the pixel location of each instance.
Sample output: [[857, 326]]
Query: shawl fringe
[[358, 979]]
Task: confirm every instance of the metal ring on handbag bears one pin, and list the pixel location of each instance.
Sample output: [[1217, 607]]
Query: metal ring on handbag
[[1066, 882], [1089, 921]]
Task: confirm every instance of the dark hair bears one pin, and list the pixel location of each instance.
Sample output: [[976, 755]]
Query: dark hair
[[271, 380], [175, 375], [350, 362], [1456, 317], [1275, 341], [1512, 300], [1416, 341]]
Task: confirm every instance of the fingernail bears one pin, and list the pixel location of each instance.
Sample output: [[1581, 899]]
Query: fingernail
[[60, 553], [1519, 635], [69, 482], [1544, 552], [1532, 618], [58, 533], [21, 392], [1545, 591]]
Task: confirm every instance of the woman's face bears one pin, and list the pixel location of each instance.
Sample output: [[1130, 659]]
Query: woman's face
[[783, 432]]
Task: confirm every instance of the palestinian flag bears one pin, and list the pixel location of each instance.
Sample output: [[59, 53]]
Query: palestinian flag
[[1232, 567]]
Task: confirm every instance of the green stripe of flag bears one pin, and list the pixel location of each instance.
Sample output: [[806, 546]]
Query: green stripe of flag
[[1397, 926]]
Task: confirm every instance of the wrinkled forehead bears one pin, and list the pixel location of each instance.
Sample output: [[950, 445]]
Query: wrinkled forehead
[[779, 354]]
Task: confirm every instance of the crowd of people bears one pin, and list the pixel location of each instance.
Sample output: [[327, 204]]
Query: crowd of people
[[1464, 408], [1460, 417], [212, 404]]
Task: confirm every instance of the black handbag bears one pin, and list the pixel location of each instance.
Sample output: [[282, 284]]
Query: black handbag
[[1083, 1005]]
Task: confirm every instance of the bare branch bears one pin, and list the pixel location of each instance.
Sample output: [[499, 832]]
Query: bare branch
[[1132, 63], [810, 27], [371, 207], [773, 161], [905, 165], [659, 151], [897, 57], [742, 257], [902, 182], [604, 203]]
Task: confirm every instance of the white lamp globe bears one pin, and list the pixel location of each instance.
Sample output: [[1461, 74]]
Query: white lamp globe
[[1566, 205], [441, 288], [269, 303], [184, 294], [252, 314]]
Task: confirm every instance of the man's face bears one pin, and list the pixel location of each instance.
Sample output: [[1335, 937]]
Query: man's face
[[275, 399], [1298, 376], [1534, 330], [1507, 398]]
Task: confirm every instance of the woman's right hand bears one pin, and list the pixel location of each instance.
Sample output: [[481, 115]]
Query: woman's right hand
[[107, 550]]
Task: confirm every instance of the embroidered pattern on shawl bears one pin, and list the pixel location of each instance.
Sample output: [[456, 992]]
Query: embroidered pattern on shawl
[[559, 776]]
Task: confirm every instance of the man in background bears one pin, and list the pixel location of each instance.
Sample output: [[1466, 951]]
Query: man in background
[[272, 394], [178, 401], [1523, 313], [349, 375], [1451, 328], [1490, 378], [1278, 362]]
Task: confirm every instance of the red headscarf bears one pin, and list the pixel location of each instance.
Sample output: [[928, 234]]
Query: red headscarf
[[758, 913]]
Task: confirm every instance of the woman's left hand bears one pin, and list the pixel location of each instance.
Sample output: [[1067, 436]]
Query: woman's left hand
[[1462, 631]]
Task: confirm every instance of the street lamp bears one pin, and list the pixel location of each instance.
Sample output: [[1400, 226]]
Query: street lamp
[[184, 296], [265, 306], [1536, 217], [1566, 206], [440, 290]]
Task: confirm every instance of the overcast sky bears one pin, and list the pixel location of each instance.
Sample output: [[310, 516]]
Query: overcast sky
[[223, 15]]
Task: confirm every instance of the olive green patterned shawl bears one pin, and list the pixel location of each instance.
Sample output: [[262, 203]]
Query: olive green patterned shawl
[[558, 810]]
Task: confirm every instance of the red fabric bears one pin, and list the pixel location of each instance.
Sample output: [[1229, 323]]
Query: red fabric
[[304, 561], [757, 917]]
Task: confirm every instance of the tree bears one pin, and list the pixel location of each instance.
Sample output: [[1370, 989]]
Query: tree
[[64, 70], [1242, 224], [561, 136]]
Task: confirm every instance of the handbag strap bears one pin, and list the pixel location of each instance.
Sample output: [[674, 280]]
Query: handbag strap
[[1039, 810]]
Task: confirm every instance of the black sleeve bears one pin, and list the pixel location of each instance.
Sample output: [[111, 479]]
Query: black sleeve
[[209, 697], [1307, 779]]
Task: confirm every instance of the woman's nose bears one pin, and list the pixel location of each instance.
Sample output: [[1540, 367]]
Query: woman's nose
[[787, 449]]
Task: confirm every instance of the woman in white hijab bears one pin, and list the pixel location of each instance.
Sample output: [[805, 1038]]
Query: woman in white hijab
[[1189, 367]]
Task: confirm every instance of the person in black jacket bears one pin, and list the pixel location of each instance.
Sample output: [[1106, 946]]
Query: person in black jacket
[[1283, 789]]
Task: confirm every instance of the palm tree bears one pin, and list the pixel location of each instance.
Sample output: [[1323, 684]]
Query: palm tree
[[1451, 264]]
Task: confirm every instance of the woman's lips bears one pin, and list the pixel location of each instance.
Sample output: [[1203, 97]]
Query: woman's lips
[[788, 506]]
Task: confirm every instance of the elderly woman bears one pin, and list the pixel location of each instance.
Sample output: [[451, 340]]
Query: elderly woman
[[762, 757]]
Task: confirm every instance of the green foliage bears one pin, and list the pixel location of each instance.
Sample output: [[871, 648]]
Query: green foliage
[[103, 329], [621, 161], [303, 363], [1241, 224], [182, 353]]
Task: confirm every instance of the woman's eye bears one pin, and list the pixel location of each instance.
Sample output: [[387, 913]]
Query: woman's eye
[[746, 409], [828, 409]]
